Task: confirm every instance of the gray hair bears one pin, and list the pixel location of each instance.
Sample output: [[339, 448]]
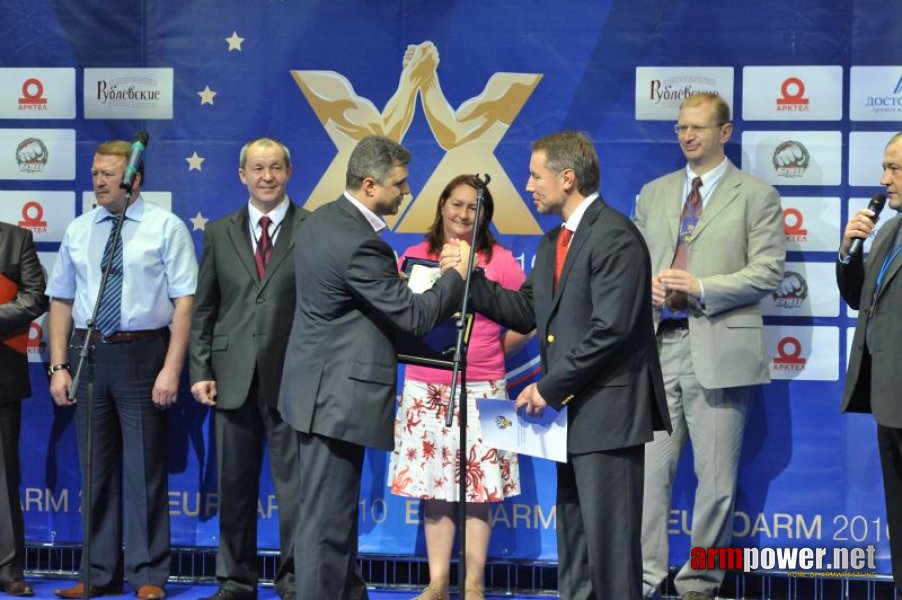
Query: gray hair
[[265, 142], [897, 137], [374, 156]]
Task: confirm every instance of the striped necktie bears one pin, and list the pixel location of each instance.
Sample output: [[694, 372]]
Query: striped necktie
[[109, 317]]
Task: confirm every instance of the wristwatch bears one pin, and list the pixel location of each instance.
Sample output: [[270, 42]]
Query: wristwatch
[[59, 367]]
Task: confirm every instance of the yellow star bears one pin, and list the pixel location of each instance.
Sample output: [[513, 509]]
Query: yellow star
[[195, 162], [235, 41], [206, 95], [199, 221]]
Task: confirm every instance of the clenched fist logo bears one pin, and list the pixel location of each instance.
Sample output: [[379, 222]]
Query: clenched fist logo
[[31, 154]]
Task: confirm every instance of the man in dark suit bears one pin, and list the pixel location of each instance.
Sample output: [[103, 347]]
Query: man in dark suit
[[338, 384], [22, 300], [598, 359], [873, 286], [243, 309]]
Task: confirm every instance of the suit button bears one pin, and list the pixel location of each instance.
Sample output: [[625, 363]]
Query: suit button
[[550, 339], [261, 300]]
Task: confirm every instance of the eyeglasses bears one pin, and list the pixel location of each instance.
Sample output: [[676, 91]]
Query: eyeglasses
[[680, 129]]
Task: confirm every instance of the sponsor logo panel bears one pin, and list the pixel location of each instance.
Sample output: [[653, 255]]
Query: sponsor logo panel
[[807, 290], [39, 332], [794, 93], [660, 90], [128, 93], [866, 156], [793, 157], [34, 154], [812, 224], [803, 353], [875, 93], [45, 214], [37, 93]]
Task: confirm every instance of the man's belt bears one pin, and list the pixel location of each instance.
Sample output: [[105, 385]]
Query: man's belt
[[672, 325], [122, 337]]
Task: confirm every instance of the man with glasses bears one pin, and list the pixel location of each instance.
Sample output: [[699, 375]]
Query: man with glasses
[[717, 247]]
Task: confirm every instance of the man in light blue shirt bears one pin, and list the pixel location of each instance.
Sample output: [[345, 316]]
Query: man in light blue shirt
[[138, 360]]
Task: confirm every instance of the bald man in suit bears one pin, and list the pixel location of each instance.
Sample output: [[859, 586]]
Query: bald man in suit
[[873, 286], [243, 310], [717, 248]]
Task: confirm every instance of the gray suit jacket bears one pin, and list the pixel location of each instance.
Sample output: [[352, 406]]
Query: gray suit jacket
[[874, 379], [239, 321], [738, 252], [598, 349], [341, 363], [18, 263]]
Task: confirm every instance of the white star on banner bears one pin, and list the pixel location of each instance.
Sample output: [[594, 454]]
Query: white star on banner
[[206, 95], [199, 221], [195, 162], [235, 41]]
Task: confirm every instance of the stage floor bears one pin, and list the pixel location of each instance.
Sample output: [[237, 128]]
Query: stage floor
[[44, 590]]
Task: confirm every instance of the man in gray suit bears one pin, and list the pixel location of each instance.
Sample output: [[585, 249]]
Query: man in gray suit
[[717, 247], [873, 286], [22, 300], [243, 309], [588, 294], [338, 385]]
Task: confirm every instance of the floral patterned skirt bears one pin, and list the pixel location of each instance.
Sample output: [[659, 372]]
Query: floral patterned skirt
[[425, 461]]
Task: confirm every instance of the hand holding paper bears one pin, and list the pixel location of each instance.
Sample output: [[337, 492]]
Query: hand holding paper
[[532, 400], [506, 428]]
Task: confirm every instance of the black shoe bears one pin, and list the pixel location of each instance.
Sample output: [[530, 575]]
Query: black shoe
[[17, 587], [229, 594]]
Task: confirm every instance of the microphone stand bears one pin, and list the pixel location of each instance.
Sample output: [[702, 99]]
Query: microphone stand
[[459, 367], [85, 356]]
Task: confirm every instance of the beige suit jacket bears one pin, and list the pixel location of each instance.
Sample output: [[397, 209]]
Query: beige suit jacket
[[738, 252]]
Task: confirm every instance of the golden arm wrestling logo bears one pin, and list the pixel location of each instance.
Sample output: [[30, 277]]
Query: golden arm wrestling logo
[[469, 135]]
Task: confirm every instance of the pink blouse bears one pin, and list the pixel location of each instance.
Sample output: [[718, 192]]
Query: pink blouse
[[485, 358]]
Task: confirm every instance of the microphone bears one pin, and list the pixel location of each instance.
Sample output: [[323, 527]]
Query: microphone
[[876, 205], [142, 138]]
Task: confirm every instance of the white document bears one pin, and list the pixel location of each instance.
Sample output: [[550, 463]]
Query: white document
[[505, 429], [422, 278]]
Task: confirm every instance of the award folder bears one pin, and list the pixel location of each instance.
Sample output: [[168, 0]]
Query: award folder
[[18, 340], [436, 348]]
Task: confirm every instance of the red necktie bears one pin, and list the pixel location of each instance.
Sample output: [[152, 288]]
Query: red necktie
[[264, 246], [692, 209], [560, 253]]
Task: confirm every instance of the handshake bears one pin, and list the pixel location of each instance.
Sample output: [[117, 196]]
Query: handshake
[[456, 255]]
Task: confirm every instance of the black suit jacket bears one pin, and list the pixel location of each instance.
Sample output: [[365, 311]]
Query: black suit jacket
[[341, 363], [239, 321], [874, 378], [598, 349], [19, 263]]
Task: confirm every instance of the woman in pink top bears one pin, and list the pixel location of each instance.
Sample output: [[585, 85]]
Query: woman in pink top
[[423, 464]]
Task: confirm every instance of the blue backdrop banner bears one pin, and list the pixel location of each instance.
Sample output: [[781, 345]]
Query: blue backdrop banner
[[467, 86]]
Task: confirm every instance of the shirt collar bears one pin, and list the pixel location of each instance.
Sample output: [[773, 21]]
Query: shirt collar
[[573, 222], [711, 178], [134, 212], [276, 215], [374, 220]]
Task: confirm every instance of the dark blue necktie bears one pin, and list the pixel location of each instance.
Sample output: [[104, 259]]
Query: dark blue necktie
[[109, 318]]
